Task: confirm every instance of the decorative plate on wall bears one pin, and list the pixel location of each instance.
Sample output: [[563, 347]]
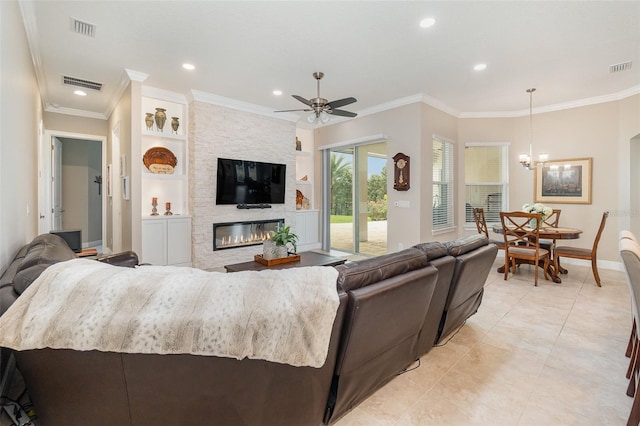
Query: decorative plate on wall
[[159, 160]]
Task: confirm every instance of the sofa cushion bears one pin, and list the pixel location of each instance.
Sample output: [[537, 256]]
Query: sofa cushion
[[47, 249], [433, 249], [13, 268], [25, 277], [465, 244], [369, 271]]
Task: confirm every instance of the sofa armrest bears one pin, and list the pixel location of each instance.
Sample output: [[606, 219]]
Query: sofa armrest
[[127, 259]]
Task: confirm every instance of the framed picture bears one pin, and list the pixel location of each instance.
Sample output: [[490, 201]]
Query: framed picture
[[563, 181]]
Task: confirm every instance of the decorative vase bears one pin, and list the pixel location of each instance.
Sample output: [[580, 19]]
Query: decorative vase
[[148, 120], [532, 223], [175, 124], [161, 118], [271, 251]]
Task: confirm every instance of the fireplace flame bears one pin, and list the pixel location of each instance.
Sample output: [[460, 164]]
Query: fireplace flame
[[238, 240]]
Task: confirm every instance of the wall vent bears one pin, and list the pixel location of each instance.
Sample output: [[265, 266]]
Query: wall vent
[[78, 82], [83, 28], [620, 67]]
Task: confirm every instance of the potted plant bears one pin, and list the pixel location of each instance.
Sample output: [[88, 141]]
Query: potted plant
[[279, 242]]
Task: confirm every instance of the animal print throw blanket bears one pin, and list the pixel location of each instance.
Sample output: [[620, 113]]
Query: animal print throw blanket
[[284, 316]]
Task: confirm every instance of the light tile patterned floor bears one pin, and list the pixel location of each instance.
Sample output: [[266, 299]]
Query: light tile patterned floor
[[546, 355]]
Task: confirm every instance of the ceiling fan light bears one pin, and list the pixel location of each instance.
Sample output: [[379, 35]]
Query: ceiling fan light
[[311, 118], [324, 117]]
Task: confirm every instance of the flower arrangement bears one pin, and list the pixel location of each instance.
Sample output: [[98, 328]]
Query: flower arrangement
[[544, 211]]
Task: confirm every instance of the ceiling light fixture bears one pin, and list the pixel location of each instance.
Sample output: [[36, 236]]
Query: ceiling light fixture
[[277, 92], [480, 67], [427, 23], [188, 67], [525, 159], [80, 93]]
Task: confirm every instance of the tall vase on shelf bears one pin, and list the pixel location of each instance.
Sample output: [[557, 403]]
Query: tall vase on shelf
[[175, 124], [148, 120], [161, 117]]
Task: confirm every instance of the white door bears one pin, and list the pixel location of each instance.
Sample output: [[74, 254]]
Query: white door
[[56, 183]]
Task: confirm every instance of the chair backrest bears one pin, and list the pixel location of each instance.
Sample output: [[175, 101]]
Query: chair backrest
[[516, 229], [481, 223], [553, 219], [605, 215], [625, 234]]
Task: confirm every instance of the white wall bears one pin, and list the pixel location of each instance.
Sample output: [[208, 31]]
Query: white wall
[[402, 127], [601, 131], [216, 131], [20, 118]]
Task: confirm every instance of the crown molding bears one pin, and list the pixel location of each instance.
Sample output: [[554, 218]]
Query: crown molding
[[77, 112], [197, 95], [166, 95], [612, 97], [31, 30], [136, 75]]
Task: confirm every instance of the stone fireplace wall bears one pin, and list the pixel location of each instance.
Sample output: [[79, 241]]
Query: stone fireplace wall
[[217, 131]]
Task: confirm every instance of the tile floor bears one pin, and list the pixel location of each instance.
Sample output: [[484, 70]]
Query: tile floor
[[546, 355]]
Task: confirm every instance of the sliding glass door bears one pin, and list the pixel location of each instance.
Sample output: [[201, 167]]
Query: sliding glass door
[[358, 199]]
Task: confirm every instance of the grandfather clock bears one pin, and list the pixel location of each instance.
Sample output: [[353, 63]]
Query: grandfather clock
[[401, 172]]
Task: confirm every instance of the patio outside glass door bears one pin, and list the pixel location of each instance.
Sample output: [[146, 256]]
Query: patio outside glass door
[[358, 199]]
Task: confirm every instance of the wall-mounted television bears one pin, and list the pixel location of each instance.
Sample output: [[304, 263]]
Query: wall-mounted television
[[250, 182]]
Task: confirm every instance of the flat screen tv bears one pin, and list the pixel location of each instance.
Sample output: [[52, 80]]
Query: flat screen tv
[[250, 182]]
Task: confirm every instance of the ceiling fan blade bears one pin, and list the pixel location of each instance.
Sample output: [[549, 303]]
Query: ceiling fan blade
[[292, 110], [341, 102], [303, 100], [342, 113]]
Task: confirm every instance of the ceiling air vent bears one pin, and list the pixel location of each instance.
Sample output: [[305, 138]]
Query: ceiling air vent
[[620, 67], [83, 28], [78, 82]]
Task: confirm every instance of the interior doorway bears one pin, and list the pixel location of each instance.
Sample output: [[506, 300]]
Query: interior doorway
[[72, 193], [358, 199], [634, 185]]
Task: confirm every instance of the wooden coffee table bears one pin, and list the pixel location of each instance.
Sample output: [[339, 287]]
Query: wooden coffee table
[[307, 258]]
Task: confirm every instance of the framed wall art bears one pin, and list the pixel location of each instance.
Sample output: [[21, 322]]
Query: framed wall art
[[563, 181]]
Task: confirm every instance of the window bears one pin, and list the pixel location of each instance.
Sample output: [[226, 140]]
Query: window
[[443, 184], [486, 185]]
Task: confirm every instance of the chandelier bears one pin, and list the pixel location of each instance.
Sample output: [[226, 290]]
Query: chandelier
[[525, 159]]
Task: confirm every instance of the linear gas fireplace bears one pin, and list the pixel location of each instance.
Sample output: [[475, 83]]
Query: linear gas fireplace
[[241, 234]]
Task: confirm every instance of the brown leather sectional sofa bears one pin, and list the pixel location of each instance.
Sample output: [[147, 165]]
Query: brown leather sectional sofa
[[393, 308]]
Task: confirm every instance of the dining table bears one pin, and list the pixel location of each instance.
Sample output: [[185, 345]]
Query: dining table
[[549, 233]]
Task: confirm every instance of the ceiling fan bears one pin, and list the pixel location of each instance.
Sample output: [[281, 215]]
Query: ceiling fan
[[320, 108]]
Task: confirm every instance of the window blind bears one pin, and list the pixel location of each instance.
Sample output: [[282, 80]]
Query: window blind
[[443, 184]]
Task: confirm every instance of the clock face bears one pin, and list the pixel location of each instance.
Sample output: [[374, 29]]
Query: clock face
[[401, 163]]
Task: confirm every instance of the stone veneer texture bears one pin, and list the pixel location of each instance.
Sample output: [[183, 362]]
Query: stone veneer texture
[[216, 131]]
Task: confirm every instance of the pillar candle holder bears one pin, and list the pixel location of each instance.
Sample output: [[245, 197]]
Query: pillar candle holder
[[168, 207], [154, 203]]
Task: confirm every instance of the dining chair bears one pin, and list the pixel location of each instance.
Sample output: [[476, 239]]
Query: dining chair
[[630, 254], [582, 253], [521, 242], [551, 221], [633, 339], [481, 225]]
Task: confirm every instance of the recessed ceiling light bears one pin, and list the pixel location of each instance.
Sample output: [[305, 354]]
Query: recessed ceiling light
[[427, 22], [188, 67], [79, 93], [277, 92], [480, 67]]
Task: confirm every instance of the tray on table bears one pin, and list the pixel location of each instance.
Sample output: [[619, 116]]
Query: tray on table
[[270, 262]]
